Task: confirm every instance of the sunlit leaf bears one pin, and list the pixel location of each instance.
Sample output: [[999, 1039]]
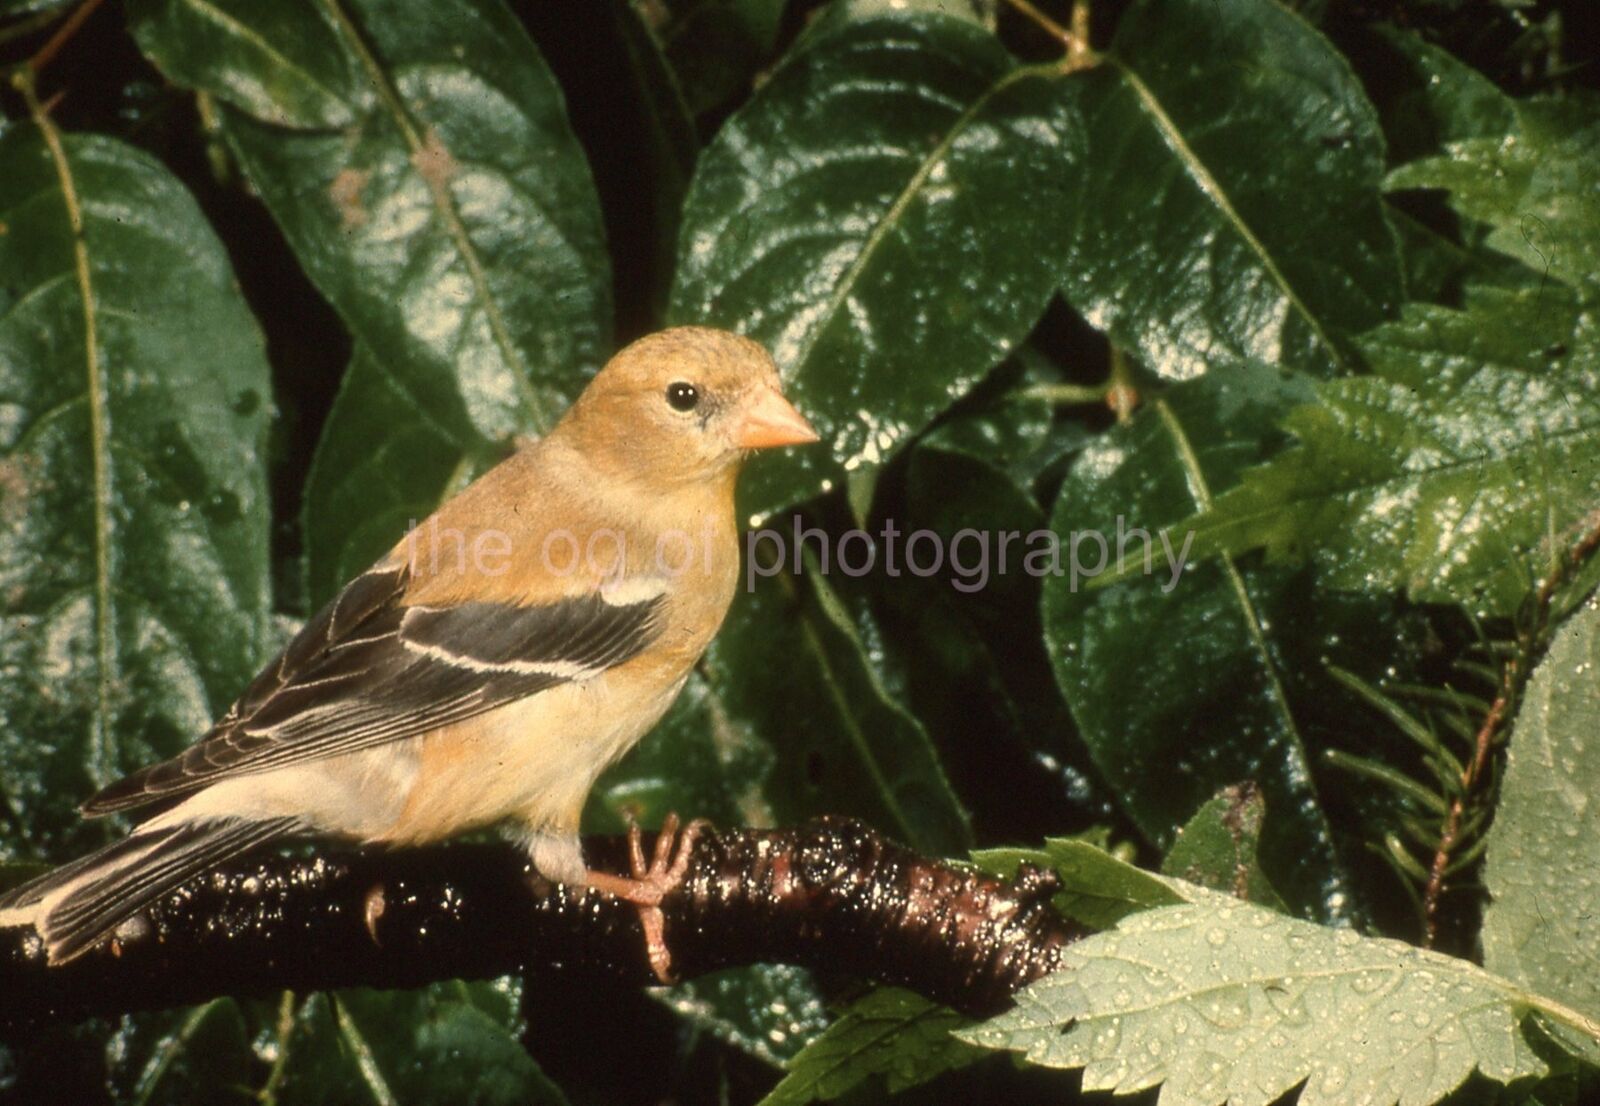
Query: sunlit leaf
[[1228, 1002]]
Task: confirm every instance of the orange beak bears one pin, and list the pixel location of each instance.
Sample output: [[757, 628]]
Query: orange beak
[[772, 421]]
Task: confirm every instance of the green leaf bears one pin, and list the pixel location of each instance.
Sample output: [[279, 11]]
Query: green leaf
[[134, 402], [790, 665], [1183, 683], [771, 1011], [1097, 889], [1190, 244], [1449, 470], [452, 1042], [697, 762], [969, 644], [282, 63], [1217, 847], [453, 223], [838, 14], [1434, 98], [1533, 187], [1542, 926], [975, 472], [383, 464], [891, 1036], [1435, 266], [848, 215], [1228, 1002]]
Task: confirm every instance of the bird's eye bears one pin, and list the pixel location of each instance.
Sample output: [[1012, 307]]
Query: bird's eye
[[682, 396]]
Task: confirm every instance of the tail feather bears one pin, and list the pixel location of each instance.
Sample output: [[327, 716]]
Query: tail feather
[[33, 892], [78, 904]]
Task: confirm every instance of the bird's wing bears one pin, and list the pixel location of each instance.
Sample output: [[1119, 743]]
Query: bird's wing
[[370, 668]]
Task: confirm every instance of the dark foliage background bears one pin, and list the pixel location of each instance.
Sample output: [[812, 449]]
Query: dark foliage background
[[1315, 281]]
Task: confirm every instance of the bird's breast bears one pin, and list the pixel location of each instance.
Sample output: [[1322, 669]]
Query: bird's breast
[[533, 761]]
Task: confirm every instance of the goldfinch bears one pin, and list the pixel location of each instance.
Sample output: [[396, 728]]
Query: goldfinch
[[487, 670]]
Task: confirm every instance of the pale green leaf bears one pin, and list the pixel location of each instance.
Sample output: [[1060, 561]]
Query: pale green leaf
[[1542, 927], [1221, 1001]]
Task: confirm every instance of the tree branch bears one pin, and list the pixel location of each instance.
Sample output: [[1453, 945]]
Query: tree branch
[[832, 895]]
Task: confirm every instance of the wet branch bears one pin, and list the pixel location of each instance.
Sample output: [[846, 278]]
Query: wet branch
[[832, 895]]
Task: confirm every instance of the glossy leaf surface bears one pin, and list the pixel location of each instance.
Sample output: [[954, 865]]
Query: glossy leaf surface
[[873, 215], [1533, 188], [134, 400], [1184, 683], [1220, 251], [1227, 1002], [1448, 471], [435, 194]]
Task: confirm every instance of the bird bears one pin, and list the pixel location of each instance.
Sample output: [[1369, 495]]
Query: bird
[[485, 671]]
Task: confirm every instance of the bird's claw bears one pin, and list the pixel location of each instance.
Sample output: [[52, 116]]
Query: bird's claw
[[652, 881]]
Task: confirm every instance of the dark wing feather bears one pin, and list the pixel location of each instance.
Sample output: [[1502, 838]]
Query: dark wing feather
[[368, 669]]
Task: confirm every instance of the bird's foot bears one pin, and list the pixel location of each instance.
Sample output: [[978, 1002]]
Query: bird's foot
[[652, 882]]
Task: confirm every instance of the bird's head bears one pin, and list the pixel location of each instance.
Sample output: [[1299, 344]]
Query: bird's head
[[686, 403]]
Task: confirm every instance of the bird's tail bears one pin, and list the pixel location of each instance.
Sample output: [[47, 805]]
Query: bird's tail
[[74, 906]]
